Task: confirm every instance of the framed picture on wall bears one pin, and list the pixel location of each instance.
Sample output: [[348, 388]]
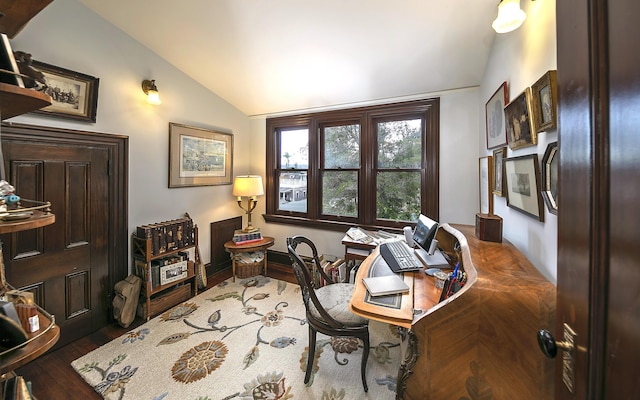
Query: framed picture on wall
[[522, 185], [199, 157], [544, 102], [550, 177], [74, 95], [520, 130], [498, 156], [494, 117], [485, 183]]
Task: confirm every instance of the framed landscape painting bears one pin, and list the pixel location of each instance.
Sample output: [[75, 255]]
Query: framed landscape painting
[[199, 157], [494, 117], [520, 130], [523, 185]]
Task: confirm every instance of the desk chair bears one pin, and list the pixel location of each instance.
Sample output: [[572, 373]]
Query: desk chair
[[327, 306]]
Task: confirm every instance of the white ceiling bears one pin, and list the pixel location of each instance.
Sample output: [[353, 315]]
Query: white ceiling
[[277, 56]]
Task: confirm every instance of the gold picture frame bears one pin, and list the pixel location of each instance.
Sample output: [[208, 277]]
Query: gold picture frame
[[199, 157], [544, 102], [498, 170], [520, 129]]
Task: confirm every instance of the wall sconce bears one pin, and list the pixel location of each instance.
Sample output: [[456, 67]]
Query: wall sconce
[[510, 16], [248, 186], [151, 90]]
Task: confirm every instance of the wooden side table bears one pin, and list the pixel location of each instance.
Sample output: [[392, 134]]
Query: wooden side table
[[236, 249]]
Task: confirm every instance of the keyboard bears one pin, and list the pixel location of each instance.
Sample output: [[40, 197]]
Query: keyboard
[[399, 257]]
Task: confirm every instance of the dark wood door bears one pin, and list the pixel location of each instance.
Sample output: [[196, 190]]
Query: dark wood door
[[598, 235], [67, 265]]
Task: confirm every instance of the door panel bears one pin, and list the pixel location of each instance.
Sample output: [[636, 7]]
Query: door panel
[[67, 257], [576, 232], [598, 274], [621, 354], [72, 265]]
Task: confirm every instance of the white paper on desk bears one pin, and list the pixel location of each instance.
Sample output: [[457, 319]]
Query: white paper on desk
[[359, 235]]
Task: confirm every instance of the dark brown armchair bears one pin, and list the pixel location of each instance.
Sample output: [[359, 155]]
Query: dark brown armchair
[[327, 306]]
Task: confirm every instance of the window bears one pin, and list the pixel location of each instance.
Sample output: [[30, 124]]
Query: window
[[376, 167]]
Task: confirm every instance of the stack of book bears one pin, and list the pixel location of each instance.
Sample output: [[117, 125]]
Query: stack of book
[[168, 235], [334, 267], [241, 237]]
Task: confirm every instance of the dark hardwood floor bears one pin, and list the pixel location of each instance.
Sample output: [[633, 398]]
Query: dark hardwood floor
[[52, 376]]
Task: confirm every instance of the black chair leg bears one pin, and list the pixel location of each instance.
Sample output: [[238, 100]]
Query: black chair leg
[[365, 357], [311, 354]]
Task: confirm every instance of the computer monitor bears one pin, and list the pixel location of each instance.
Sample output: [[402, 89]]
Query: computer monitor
[[424, 236], [425, 232]]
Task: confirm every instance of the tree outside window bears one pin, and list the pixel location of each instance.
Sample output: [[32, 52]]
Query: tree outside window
[[373, 166]]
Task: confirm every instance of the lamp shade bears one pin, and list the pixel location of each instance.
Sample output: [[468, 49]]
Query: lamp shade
[[153, 97], [151, 90], [247, 186], [510, 16]]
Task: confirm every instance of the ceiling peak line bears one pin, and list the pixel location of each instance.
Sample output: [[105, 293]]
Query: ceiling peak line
[[356, 104]]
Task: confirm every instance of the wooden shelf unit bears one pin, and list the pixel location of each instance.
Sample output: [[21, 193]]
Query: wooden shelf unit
[[16, 101], [160, 297]]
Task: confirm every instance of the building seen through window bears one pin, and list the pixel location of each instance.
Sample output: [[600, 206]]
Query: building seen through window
[[374, 166]]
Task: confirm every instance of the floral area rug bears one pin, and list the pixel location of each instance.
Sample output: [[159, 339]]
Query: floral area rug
[[242, 340]]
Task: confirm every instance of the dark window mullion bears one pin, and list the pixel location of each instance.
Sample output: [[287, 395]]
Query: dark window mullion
[[367, 193], [314, 186]]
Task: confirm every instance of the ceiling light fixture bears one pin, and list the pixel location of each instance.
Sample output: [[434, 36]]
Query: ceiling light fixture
[[510, 16], [151, 90]]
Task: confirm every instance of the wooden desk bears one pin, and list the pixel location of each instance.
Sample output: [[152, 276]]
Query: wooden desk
[[423, 294], [480, 343], [235, 249]]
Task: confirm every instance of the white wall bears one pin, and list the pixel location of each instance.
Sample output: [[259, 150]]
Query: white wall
[[69, 35], [520, 58], [459, 114]]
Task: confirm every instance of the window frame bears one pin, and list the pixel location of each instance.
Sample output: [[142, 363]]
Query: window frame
[[428, 110]]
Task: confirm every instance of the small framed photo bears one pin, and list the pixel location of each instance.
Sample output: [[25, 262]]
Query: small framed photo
[[545, 99], [523, 185], [494, 115], [74, 95], [550, 177], [485, 182], [173, 272], [498, 156], [199, 157], [520, 131]]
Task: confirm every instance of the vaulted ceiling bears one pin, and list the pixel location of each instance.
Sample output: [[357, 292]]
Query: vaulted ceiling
[[277, 56]]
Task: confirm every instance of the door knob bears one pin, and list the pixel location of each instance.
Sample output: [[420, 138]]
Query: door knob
[[549, 346]]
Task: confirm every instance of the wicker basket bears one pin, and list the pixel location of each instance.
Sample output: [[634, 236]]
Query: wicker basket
[[248, 270]]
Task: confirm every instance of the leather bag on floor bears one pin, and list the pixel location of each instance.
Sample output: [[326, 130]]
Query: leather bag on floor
[[125, 302]]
